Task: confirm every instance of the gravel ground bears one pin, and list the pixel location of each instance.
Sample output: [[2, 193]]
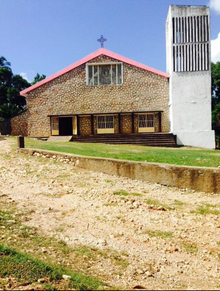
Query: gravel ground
[[163, 237]]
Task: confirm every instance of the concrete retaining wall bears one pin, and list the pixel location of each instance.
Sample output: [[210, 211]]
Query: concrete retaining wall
[[194, 178]]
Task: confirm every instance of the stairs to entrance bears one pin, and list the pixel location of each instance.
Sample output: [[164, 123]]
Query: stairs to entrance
[[144, 139]]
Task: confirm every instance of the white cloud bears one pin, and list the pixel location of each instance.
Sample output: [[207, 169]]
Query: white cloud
[[24, 76], [215, 5], [216, 49]]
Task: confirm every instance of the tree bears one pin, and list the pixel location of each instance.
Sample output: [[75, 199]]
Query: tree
[[38, 78], [4, 63], [5, 83], [11, 103], [216, 99], [215, 84], [13, 92], [9, 110]]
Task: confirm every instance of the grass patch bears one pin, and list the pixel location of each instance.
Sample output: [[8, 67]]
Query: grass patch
[[6, 219], [157, 204], [179, 203], [94, 254], [109, 181], [24, 267], [52, 253], [111, 204], [27, 269], [177, 156], [159, 233], [26, 232], [125, 193], [28, 236], [205, 210], [190, 248]]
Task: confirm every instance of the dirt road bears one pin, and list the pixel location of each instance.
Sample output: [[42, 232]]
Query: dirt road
[[140, 233]]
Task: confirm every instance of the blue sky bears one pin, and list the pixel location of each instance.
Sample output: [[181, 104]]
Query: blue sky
[[45, 36]]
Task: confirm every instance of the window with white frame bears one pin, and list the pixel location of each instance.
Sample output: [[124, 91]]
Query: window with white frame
[[105, 121], [146, 120], [104, 74]]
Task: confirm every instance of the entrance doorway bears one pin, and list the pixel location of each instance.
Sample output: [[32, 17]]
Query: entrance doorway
[[65, 126]]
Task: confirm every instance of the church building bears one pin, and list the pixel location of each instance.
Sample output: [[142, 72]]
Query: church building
[[108, 94]]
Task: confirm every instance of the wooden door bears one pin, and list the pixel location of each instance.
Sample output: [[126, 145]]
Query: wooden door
[[55, 125]]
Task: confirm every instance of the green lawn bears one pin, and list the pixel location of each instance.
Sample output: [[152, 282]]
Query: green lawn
[[177, 156]]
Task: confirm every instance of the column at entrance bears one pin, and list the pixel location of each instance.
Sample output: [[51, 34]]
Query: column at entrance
[[74, 125], [119, 124], [92, 124], [132, 118], [78, 125], [160, 122]]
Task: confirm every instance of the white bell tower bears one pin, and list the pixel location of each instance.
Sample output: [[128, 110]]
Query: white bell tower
[[189, 65]]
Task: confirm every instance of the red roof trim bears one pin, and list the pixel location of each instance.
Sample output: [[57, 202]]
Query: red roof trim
[[97, 53]]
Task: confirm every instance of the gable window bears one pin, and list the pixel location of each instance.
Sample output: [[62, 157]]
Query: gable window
[[104, 74]]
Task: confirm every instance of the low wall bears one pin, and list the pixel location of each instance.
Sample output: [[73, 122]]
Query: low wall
[[194, 178]]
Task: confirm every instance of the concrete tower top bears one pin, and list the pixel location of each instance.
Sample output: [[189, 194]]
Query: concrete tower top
[[187, 10], [188, 38]]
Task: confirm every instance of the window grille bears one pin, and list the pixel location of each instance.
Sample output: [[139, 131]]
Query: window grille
[[105, 122], [104, 74], [146, 120], [191, 38]]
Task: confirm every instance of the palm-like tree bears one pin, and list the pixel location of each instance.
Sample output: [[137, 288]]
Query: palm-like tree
[[4, 63]]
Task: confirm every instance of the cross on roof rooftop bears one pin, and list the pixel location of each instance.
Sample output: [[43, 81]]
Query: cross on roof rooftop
[[102, 40]]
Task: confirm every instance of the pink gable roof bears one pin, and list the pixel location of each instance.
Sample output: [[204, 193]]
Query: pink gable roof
[[97, 53]]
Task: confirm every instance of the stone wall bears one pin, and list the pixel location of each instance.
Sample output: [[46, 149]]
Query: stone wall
[[19, 124], [69, 94], [85, 125], [156, 122], [126, 123]]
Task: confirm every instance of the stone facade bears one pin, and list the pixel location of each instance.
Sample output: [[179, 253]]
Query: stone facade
[[70, 95], [85, 125], [126, 121], [19, 124]]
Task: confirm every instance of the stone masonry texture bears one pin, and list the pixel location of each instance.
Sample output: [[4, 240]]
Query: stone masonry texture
[[19, 124], [68, 95]]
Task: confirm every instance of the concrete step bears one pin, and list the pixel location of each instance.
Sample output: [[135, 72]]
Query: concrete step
[[160, 139]]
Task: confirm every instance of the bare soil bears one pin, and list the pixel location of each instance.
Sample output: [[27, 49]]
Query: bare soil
[[139, 233]]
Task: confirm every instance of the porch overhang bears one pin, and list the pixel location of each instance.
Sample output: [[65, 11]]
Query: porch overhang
[[103, 113]]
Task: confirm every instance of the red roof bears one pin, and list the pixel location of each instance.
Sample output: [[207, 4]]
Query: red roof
[[96, 54]]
